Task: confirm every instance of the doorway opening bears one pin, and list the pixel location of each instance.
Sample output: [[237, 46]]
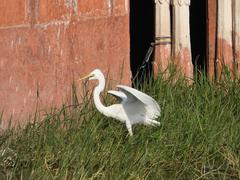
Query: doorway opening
[[142, 33], [198, 32]]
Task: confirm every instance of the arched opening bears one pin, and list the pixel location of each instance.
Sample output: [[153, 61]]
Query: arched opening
[[141, 31], [198, 31]]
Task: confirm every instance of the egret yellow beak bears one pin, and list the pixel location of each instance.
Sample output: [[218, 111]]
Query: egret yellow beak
[[85, 77]]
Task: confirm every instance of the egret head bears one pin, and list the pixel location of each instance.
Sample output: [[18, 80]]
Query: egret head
[[95, 74]]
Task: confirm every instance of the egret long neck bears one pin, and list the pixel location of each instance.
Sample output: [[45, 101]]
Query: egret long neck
[[96, 96]]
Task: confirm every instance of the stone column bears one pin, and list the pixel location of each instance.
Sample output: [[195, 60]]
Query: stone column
[[224, 38], [236, 35], [162, 35], [181, 35]]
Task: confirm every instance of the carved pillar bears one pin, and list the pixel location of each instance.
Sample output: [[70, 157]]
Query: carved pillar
[[162, 35], [224, 37], [236, 35], [181, 36]]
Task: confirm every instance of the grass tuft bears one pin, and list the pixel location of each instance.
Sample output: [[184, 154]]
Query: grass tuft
[[198, 139]]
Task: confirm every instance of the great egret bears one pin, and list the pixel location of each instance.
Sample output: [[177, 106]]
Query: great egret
[[135, 106]]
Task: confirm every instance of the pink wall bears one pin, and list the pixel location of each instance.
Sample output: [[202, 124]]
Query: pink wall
[[45, 45]]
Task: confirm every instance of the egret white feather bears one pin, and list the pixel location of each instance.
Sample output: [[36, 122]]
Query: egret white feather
[[134, 107], [118, 94]]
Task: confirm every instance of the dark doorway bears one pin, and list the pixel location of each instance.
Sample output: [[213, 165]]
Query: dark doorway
[[198, 26], [141, 32]]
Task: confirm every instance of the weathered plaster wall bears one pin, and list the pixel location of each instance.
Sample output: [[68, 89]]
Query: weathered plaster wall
[[236, 35], [223, 38], [47, 44], [223, 29], [212, 36]]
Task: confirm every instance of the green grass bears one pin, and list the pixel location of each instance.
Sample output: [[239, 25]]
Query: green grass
[[199, 138]]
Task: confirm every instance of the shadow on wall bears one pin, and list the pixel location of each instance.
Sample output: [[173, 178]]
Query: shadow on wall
[[141, 32]]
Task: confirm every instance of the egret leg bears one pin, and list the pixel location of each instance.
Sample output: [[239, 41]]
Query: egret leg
[[129, 127]]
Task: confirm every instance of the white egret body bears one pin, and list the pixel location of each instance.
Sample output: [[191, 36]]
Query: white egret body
[[135, 106]]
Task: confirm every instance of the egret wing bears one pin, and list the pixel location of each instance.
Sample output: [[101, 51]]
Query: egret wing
[[118, 94], [152, 108]]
